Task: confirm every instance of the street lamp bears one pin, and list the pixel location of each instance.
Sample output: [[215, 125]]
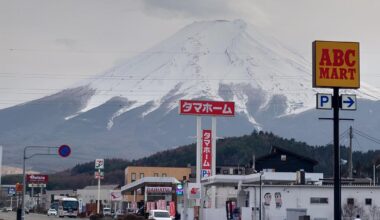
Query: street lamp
[[49, 152], [374, 173], [261, 187]]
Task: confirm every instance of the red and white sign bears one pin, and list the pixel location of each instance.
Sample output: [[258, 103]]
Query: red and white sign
[[210, 108], [36, 178], [206, 153], [158, 189], [116, 195], [99, 175]]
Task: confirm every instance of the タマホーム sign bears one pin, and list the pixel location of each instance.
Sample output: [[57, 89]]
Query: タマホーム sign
[[336, 64]]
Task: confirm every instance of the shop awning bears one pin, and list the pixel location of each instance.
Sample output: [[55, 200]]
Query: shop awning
[[148, 181]]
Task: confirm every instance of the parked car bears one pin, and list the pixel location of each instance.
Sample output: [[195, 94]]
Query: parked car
[[159, 215], [52, 212], [106, 211], [7, 209]]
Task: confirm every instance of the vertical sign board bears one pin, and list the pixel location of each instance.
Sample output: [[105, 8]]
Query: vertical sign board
[[206, 153], [336, 64], [99, 164]]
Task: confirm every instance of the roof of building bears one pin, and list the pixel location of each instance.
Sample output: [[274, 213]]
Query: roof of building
[[149, 180], [110, 187], [275, 150], [267, 177]]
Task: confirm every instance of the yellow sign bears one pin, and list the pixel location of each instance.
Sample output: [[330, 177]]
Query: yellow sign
[[336, 64]]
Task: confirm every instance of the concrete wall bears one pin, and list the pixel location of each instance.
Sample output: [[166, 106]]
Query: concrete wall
[[288, 197], [92, 194], [277, 199]]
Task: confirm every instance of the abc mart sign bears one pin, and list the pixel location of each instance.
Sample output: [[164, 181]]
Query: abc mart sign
[[336, 65]]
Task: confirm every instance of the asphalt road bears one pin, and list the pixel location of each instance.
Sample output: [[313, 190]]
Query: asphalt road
[[31, 216]]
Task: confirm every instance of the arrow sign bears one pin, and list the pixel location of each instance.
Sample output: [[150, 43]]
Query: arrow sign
[[348, 102]]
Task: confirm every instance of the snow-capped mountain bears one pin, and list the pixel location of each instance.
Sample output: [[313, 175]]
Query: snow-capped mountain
[[132, 110]]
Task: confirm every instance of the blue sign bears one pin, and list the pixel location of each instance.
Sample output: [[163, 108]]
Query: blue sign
[[324, 101], [348, 102], [179, 189], [64, 150], [206, 173], [11, 191]]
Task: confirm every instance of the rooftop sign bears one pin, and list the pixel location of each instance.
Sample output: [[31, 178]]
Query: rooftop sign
[[206, 108], [336, 64]]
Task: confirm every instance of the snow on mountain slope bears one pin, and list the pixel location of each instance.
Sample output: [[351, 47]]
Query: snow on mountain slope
[[219, 60]]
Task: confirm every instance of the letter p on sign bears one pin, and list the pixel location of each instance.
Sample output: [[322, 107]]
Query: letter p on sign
[[324, 101]]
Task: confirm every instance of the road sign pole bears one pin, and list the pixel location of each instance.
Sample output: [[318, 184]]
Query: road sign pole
[[98, 205], [337, 185], [23, 186]]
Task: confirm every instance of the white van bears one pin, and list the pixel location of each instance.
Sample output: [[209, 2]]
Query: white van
[[106, 211]]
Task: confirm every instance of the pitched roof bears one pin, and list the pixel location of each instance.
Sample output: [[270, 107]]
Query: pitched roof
[[275, 150]]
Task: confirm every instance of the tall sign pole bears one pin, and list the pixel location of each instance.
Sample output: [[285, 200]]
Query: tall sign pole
[[200, 108], [336, 66], [99, 174], [337, 183]]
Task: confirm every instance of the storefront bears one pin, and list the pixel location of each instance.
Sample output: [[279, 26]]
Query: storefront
[[152, 193]]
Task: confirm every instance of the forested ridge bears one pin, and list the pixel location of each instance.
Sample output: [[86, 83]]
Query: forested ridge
[[230, 151]]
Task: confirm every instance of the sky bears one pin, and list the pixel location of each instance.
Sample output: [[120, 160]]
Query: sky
[[50, 45]]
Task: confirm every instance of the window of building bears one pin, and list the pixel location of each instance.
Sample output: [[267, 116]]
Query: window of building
[[350, 201], [164, 175], [283, 157], [133, 177], [141, 175], [225, 171], [319, 200], [368, 201], [155, 174]]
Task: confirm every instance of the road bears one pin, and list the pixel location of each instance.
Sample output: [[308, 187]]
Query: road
[[31, 216]]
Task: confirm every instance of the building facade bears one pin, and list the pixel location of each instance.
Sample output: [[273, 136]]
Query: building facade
[[133, 173]]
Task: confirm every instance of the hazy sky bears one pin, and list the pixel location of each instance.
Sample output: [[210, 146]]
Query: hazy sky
[[49, 45]]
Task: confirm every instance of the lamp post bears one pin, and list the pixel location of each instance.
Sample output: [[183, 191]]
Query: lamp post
[[374, 173], [261, 188], [25, 157]]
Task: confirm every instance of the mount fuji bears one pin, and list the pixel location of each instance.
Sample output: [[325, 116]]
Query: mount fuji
[[131, 110]]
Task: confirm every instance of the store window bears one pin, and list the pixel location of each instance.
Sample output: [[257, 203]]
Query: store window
[[319, 200]]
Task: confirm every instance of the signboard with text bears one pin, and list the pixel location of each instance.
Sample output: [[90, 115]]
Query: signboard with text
[[206, 153], [99, 164], [206, 108], [336, 64], [36, 178]]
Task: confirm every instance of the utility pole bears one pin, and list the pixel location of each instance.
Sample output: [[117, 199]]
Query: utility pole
[[350, 155]]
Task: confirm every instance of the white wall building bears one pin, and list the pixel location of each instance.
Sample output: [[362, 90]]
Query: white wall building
[[282, 197], [89, 194]]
